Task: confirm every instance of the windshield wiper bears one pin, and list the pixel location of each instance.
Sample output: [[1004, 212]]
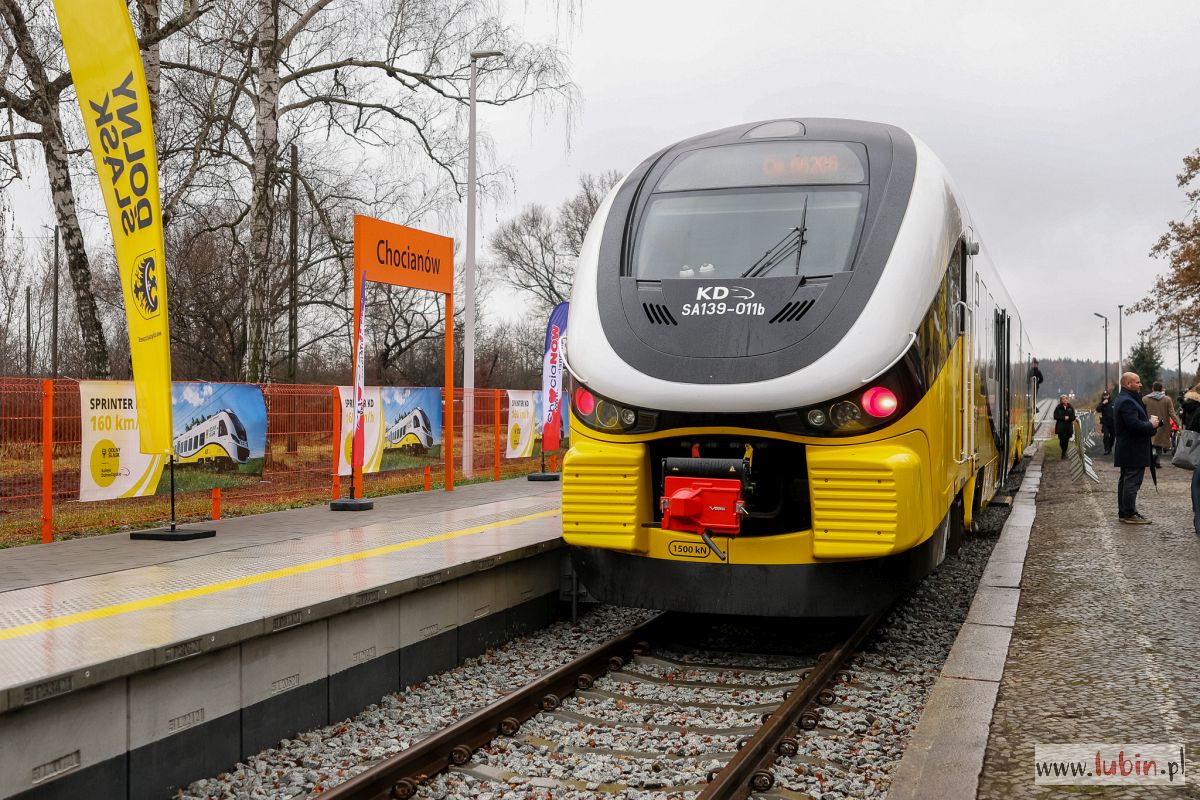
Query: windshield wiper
[[792, 242]]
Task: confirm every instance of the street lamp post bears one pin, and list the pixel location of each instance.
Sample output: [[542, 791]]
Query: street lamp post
[[1179, 356], [1120, 343], [468, 426], [1101, 316]]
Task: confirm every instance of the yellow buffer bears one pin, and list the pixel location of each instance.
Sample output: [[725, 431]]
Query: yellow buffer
[[606, 495], [861, 494]]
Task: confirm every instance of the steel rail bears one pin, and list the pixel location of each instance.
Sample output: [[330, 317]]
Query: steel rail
[[401, 775], [750, 770]]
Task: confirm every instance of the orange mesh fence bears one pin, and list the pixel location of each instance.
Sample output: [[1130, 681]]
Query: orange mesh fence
[[297, 465], [20, 459]]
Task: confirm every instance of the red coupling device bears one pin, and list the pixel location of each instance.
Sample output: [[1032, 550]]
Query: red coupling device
[[696, 505]]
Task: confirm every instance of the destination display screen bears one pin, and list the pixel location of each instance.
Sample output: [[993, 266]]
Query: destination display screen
[[782, 163]]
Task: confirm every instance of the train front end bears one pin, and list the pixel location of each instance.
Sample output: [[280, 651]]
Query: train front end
[[766, 393]]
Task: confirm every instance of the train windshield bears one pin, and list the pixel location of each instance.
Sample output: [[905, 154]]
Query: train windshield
[[239, 429], [754, 210], [424, 419]]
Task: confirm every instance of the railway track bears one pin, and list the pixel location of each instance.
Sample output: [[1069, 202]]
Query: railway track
[[744, 717], [657, 722]]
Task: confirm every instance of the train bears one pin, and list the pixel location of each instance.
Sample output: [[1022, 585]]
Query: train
[[410, 431], [796, 376], [218, 436]]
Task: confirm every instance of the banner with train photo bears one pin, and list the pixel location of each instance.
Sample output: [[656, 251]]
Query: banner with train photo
[[220, 434], [219, 439], [402, 427], [413, 427]]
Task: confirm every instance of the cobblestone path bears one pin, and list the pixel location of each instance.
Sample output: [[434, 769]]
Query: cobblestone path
[[1106, 646]]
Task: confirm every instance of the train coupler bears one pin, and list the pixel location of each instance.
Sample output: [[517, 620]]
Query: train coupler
[[702, 505]]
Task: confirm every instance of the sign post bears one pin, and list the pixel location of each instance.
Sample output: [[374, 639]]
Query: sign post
[[394, 254]]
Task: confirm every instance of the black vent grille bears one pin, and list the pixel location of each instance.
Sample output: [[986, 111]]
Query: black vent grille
[[658, 315], [792, 311]]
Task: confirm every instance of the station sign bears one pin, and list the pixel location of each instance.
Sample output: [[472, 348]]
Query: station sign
[[403, 256]]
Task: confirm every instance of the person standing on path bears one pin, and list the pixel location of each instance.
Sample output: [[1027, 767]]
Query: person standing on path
[[1134, 428], [1193, 424], [1064, 416], [1105, 412], [1190, 405], [1160, 404]]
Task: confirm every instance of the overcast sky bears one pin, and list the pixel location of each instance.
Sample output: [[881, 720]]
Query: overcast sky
[[1064, 124]]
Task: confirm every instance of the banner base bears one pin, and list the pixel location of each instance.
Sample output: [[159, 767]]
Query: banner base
[[351, 504], [544, 476], [173, 534]]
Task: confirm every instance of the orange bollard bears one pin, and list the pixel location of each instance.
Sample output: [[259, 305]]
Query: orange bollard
[[216, 502], [428, 480], [554, 463]]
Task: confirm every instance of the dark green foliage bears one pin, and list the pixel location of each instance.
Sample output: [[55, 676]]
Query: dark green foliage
[[1145, 360]]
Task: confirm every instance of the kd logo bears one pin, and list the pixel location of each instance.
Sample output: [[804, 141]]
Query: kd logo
[[145, 285]]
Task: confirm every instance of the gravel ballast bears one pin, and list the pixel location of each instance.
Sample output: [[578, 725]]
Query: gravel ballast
[[658, 726]]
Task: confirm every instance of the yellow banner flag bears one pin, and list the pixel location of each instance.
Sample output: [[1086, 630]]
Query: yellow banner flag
[[106, 66]]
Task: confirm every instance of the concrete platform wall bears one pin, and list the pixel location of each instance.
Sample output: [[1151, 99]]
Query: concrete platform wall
[[148, 734]]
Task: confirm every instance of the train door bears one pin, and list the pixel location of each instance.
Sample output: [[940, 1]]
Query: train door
[[1003, 419], [961, 280]]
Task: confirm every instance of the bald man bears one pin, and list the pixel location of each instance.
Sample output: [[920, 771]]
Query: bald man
[[1134, 428]]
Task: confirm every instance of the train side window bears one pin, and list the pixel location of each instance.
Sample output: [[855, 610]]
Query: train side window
[[956, 290], [224, 429]]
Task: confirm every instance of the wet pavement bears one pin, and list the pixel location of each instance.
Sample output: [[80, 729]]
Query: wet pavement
[[1106, 646]]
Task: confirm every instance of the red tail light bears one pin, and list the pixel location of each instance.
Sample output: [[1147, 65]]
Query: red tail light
[[879, 401], [585, 401]]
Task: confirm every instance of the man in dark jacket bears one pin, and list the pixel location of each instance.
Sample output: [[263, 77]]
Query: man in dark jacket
[[1134, 428], [1105, 412], [1064, 418]]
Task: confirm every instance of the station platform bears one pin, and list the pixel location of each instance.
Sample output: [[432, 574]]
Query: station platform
[[129, 668], [1084, 630], [1107, 635]]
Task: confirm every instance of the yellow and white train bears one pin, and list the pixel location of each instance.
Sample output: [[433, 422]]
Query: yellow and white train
[[411, 431], [219, 436], [796, 376]]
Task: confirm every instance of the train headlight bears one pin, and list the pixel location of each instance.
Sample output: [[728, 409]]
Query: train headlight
[[880, 402], [606, 414], [816, 418], [603, 414], [844, 413]]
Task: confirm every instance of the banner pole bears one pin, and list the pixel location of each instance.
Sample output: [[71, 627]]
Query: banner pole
[[172, 491], [357, 446], [448, 414]]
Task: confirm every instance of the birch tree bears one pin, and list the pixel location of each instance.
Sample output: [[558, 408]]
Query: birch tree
[[388, 80], [35, 95]]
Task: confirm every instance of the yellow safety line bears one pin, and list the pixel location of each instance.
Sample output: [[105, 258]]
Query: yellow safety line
[[237, 583]]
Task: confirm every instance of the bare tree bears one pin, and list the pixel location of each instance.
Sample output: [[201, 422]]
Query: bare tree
[[35, 86], [536, 252], [384, 79]]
